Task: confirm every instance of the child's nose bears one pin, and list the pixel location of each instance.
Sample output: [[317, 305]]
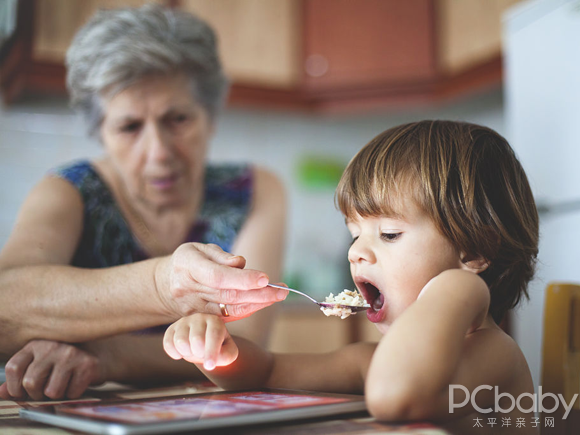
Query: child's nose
[[360, 251]]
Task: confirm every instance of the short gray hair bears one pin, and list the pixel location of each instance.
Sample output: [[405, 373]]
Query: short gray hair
[[118, 47]]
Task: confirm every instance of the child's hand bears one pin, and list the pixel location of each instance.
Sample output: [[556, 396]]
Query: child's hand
[[200, 339]]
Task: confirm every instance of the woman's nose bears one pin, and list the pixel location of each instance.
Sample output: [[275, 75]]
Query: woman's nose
[[158, 144], [360, 251]]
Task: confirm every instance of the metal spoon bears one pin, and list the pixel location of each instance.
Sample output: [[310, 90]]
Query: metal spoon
[[354, 308]]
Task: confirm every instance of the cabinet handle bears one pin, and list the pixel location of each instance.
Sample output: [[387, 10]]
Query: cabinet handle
[[316, 65]]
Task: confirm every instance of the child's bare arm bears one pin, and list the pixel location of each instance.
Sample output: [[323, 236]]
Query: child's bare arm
[[203, 339], [341, 371], [236, 363], [432, 345]]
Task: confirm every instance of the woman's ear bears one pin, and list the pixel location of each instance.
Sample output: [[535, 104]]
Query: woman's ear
[[473, 264]]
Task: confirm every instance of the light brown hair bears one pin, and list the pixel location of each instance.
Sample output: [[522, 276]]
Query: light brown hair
[[469, 182]]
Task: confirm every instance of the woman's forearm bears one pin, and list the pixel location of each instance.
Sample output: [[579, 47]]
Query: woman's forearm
[[64, 303], [139, 359]]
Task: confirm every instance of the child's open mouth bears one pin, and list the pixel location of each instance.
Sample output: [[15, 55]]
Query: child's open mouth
[[374, 297]]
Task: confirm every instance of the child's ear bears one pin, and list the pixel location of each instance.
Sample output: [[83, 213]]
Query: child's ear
[[473, 264]]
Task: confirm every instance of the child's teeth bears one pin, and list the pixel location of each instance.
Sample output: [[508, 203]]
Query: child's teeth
[[378, 302]]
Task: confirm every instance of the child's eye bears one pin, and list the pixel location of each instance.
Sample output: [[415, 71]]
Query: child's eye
[[390, 237], [354, 239]]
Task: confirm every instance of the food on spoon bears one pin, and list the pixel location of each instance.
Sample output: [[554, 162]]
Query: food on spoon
[[346, 297]]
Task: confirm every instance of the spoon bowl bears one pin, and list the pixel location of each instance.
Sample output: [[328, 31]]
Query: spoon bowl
[[353, 308]]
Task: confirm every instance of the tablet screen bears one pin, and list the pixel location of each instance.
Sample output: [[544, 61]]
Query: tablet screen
[[192, 407], [151, 416]]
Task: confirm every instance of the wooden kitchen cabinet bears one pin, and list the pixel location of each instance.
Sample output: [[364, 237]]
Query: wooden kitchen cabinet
[[56, 22], [258, 40], [469, 32], [350, 55], [367, 44], [316, 55], [307, 330], [304, 329], [33, 59], [321, 43]]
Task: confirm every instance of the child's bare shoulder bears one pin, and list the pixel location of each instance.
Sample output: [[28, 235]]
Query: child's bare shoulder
[[499, 357], [492, 337]]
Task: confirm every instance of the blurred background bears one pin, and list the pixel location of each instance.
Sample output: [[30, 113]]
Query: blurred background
[[312, 82]]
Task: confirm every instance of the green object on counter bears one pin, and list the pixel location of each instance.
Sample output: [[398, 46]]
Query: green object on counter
[[318, 172], [293, 281]]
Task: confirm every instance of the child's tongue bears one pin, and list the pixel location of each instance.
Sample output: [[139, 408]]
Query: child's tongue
[[378, 302]]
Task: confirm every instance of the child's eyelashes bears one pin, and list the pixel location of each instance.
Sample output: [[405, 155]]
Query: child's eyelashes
[[390, 237], [386, 237]]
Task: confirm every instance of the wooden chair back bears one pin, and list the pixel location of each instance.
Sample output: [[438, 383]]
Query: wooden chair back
[[561, 353]]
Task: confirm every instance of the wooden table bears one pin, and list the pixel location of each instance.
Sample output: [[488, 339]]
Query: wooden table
[[11, 424]]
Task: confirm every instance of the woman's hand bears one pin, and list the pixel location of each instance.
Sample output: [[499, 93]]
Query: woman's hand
[[198, 277], [49, 369], [201, 339]]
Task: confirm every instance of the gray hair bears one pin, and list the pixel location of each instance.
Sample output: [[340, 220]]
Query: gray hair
[[118, 47]]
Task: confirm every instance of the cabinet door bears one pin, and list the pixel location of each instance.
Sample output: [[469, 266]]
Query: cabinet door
[[307, 330], [469, 32], [56, 22], [365, 43], [259, 40]]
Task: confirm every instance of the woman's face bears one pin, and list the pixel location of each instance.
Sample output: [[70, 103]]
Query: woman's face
[[156, 136]]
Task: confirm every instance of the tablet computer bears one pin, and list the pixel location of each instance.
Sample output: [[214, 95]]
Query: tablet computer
[[194, 412]]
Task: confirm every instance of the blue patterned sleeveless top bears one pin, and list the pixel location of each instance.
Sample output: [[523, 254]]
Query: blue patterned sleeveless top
[[106, 239]]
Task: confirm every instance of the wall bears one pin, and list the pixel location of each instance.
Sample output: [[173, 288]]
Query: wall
[[542, 112]]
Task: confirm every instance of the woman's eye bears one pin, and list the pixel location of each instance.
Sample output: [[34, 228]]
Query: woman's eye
[[131, 128], [390, 237], [354, 239], [179, 119]]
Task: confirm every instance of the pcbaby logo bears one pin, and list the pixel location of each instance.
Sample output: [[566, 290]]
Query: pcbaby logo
[[537, 400]]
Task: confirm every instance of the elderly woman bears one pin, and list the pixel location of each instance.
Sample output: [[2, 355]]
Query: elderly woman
[[140, 238]]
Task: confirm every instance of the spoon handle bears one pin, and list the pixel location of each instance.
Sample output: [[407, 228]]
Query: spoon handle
[[294, 291]]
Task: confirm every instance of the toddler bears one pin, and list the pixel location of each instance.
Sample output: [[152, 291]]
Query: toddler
[[444, 241]]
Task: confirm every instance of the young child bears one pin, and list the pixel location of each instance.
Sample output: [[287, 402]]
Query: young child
[[445, 237]]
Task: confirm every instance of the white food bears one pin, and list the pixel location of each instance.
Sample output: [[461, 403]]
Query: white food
[[346, 297]]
